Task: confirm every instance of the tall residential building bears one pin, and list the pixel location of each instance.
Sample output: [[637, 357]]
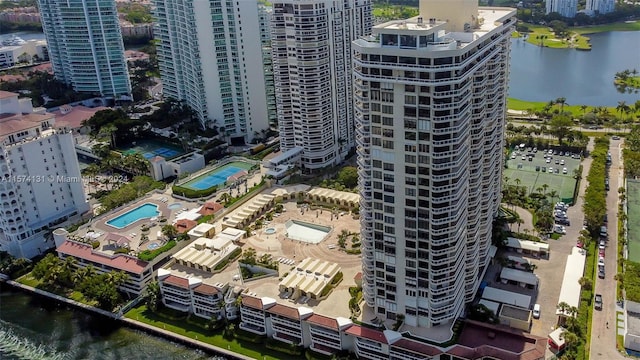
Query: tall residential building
[[40, 183], [85, 46], [600, 6], [566, 8], [430, 100], [207, 52], [311, 41], [264, 13]]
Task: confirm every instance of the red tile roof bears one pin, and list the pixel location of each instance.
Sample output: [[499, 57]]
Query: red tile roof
[[15, 123], [358, 276], [478, 340], [176, 281], [206, 289], [74, 118], [210, 207], [417, 347], [7, 94], [118, 261], [184, 225], [322, 320], [11, 78], [363, 332], [286, 311], [252, 302]]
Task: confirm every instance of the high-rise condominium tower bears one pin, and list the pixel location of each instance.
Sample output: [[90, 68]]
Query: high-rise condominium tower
[[566, 8], [41, 184], [311, 41], [208, 52], [600, 6], [430, 98], [85, 45]]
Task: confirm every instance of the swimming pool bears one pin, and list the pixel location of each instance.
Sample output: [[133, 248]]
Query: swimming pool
[[217, 176], [141, 212], [304, 231]]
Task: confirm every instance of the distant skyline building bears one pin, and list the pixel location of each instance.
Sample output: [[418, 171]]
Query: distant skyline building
[[207, 52], [430, 100], [566, 8], [600, 6], [311, 41], [264, 14], [41, 185], [85, 46]]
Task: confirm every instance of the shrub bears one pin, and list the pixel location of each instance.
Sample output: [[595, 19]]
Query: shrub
[[149, 255], [284, 348], [122, 250], [191, 193], [95, 244]]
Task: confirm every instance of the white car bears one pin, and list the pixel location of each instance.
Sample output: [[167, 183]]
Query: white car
[[559, 229], [548, 161], [536, 311], [600, 261], [550, 151], [550, 169], [561, 162], [564, 170]]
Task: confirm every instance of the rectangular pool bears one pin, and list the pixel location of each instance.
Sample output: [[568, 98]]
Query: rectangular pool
[[303, 231], [141, 212], [217, 176]]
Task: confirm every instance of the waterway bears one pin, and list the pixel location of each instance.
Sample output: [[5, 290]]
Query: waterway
[[33, 328]]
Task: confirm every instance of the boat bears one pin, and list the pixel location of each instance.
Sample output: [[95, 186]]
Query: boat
[[13, 41]]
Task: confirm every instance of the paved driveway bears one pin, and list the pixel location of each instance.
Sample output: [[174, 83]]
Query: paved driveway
[[603, 339], [551, 271]]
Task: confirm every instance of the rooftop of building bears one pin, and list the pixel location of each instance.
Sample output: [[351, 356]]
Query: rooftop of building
[[72, 117], [118, 261], [500, 342], [13, 123]]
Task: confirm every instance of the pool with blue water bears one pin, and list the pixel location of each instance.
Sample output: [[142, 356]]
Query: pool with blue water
[[141, 212]]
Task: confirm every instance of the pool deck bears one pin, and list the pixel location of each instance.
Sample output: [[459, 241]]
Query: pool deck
[[133, 231]]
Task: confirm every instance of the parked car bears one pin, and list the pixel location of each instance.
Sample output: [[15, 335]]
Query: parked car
[[559, 229], [536, 311], [615, 137], [601, 272], [564, 170], [603, 231], [601, 246], [563, 221], [598, 302], [537, 167], [548, 161], [600, 261], [601, 253], [543, 169]]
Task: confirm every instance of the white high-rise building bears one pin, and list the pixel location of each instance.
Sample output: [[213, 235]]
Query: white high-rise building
[[311, 41], [40, 183], [566, 8], [430, 100], [600, 6], [85, 46], [264, 14], [207, 52]]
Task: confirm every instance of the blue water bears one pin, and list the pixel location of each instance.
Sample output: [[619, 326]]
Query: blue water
[[215, 178], [164, 152], [128, 218]]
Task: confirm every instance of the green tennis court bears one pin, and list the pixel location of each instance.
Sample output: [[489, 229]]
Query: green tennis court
[[563, 185], [152, 148], [633, 220]]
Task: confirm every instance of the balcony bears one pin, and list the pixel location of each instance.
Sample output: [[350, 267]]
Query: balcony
[[260, 330]]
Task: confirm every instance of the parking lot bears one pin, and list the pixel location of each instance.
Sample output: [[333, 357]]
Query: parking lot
[[534, 168]]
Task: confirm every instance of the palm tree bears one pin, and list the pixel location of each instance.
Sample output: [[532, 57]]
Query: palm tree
[[622, 105], [561, 101], [563, 307], [152, 296], [117, 278], [583, 108], [585, 283], [169, 231]]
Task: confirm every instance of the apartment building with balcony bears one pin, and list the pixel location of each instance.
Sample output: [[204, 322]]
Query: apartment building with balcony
[[566, 8], [264, 16], [40, 184], [430, 102], [326, 335], [85, 46], [311, 46], [206, 53], [192, 295]]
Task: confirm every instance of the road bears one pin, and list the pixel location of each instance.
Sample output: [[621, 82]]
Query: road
[[603, 337], [156, 89], [574, 128]]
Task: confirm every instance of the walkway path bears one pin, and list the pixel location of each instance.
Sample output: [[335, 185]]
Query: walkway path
[[527, 218]]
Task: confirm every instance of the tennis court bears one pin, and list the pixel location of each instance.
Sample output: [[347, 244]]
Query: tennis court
[[530, 173], [218, 176], [152, 148], [633, 220]]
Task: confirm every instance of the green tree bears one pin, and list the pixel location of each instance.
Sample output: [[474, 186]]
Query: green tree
[[152, 296], [249, 256], [560, 126], [348, 176], [169, 231], [586, 283]]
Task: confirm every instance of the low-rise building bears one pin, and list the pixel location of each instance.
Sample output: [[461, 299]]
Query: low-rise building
[[190, 294], [26, 52], [326, 335]]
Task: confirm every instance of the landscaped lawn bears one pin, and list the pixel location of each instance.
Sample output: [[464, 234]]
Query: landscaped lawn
[[621, 26], [70, 294], [194, 329], [543, 36], [517, 104]]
